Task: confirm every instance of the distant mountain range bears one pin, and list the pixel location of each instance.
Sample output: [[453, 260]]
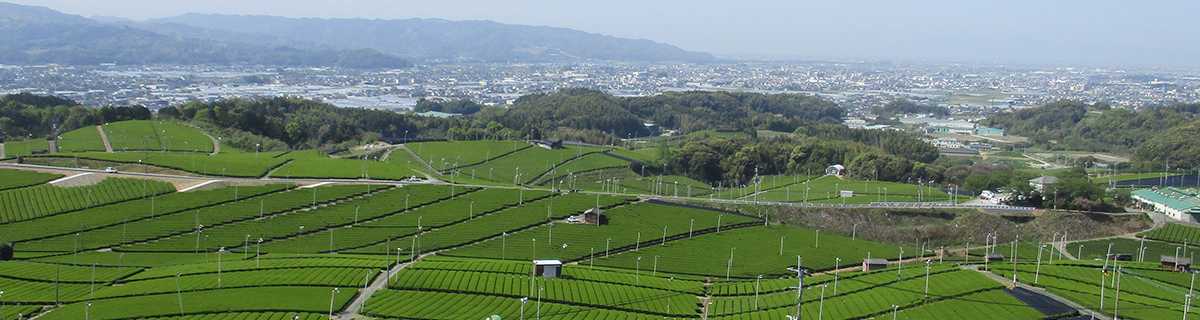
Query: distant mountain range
[[36, 35], [425, 39]]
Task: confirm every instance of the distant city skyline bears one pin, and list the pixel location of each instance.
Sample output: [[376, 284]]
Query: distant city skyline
[[1028, 32]]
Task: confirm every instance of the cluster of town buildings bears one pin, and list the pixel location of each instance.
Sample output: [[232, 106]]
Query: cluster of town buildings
[[856, 86]]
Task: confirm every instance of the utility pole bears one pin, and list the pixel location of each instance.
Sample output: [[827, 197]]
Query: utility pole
[[799, 287]]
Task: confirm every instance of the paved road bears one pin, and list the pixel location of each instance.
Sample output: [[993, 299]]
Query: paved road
[[379, 284], [1039, 302], [1037, 298]]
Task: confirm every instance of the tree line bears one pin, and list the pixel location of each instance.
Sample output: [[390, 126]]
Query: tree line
[[302, 123], [882, 155], [1154, 136], [587, 109], [24, 115]]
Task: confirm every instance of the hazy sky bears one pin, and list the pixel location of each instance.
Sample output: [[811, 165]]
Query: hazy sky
[[1116, 33]]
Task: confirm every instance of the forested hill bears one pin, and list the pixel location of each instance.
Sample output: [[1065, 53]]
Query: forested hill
[[36, 35], [24, 115], [301, 123], [818, 138], [586, 109], [305, 123], [425, 39], [1152, 136]]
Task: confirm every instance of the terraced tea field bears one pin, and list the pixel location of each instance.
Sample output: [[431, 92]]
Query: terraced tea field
[[259, 249]]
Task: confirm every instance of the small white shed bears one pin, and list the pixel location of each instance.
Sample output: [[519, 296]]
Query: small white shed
[[547, 268]]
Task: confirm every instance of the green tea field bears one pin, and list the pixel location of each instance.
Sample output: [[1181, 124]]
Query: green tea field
[[436, 251]]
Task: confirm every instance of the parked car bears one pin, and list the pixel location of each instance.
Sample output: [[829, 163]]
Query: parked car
[[110, 170], [986, 194]]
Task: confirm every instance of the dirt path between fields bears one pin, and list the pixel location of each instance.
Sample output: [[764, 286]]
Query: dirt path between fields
[[104, 137]]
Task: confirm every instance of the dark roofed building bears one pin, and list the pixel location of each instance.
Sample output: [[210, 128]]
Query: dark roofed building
[[994, 257], [552, 143], [1175, 263], [6, 251], [874, 264], [593, 216], [1120, 257]]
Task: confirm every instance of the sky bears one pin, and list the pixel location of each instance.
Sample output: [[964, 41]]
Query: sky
[[1101, 33]]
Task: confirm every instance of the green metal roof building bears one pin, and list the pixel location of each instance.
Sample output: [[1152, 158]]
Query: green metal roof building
[[1180, 204]]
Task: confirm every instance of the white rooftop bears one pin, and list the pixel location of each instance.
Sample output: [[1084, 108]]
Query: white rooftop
[[547, 262]]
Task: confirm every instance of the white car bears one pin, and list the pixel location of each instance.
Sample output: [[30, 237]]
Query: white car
[[110, 170]]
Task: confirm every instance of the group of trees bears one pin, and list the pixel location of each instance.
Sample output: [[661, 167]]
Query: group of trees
[[867, 154], [28, 115], [587, 109], [302, 123], [1073, 191], [1154, 136], [903, 144], [581, 109]]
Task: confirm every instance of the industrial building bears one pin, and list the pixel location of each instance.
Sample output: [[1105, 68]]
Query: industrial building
[[1179, 204]]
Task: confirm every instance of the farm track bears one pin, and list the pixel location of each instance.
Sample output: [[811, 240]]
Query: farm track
[[492, 158], [422, 161], [104, 138], [630, 160], [276, 168], [379, 283], [554, 169], [387, 154]]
